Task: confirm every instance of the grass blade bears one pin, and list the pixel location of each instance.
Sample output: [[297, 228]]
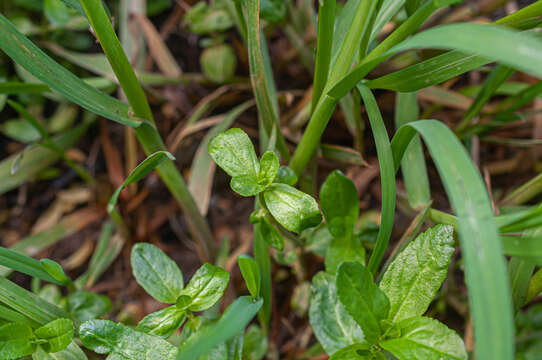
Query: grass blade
[[39, 64], [486, 277], [27, 265], [387, 177]]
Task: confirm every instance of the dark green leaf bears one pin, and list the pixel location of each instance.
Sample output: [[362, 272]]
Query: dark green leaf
[[156, 273], [233, 151], [273, 10], [231, 349], [251, 273], [231, 323], [206, 287], [271, 235], [340, 204], [122, 342], [414, 277], [15, 341], [362, 299], [332, 325], [163, 322], [293, 209], [58, 334], [84, 305], [56, 12], [425, 339], [354, 352]]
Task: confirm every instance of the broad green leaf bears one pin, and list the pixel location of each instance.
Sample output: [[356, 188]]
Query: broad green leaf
[[228, 350], [25, 264], [293, 209], [414, 277], [273, 10], [345, 248], [255, 344], [251, 273], [15, 341], [332, 325], [362, 299], [145, 167], [122, 342], [58, 334], [56, 12], [340, 204], [269, 167], [354, 352], [486, 277], [246, 185], [163, 322], [425, 339], [218, 63], [271, 235], [20, 130], [39, 64], [84, 305], [230, 324], [233, 151], [206, 287], [156, 273]]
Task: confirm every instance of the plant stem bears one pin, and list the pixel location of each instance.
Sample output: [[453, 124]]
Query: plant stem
[[147, 133]]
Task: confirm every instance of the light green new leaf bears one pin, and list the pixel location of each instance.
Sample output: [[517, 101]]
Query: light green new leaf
[[362, 299], [293, 209], [15, 341], [122, 342], [84, 305], [58, 334], [414, 277], [39, 64], [332, 325], [340, 204], [251, 273], [269, 167], [233, 151], [231, 323], [145, 167], [246, 185], [156, 273], [206, 287], [353, 352], [425, 339], [163, 322]]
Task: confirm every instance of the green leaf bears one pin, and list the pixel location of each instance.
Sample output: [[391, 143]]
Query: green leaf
[[269, 167], [15, 341], [271, 235], [84, 305], [293, 209], [145, 167], [340, 204], [231, 349], [55, 270], [345, 248], [353, 352], [56, 12], [425, 339], [273, 10], [206, 287], [251, 273], [218, 63], [246, 185], [287, 176], [163, 322], [255, 344], [25, 264], [156, 273], [485, 272], [414, 277], [233, 151], [231, 323], [34, 60], [332, 325], [20, 130], [122, 342], [362, 299], [58, 334], [72, 352]]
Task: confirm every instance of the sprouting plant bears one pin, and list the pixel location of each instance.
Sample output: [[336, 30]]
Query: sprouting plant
[[370, 320]]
